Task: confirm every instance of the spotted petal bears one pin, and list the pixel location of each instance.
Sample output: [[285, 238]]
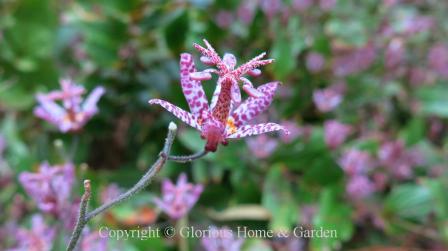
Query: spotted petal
[[249, 130], [193, 91], [178, 112], [254, 106], [215, 95]]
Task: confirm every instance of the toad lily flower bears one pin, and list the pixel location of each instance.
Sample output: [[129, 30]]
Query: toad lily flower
[[177, 199], [228, 75], [73, 114], [215, 123], [50, 187]]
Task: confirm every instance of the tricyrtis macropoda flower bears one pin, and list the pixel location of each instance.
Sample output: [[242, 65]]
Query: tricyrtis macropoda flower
[[40, 237], [50, 187], [74, 113], [178, 199], [221, 120]]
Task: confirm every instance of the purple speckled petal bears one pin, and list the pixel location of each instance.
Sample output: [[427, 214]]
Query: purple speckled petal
[[215, 95], [178, 112], [254, 106], [249, 130], [192, 89]]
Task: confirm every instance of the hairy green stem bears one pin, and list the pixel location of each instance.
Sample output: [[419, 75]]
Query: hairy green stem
[[188, 158], [84, 216], [81, 222]]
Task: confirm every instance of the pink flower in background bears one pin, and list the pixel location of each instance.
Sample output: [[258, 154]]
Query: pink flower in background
[[419, 76], [355, 162], [294, 131], [224, 19], [221, 240], [395, 54], [246, 11], [271, 7], [50, 187], [220, 121], [413, 24], [177, 200], [262, 146], [301, 5], [359, 186], [315, 62], [353, 61], [92, 241], [109, 193], [399, 160], [327, 99], [438, 60], [39, 238], [336, 133], [327, 5], [74, 113], [390, 3], [380, 180]]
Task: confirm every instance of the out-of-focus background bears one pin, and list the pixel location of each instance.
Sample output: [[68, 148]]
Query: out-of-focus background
[[364, 94]]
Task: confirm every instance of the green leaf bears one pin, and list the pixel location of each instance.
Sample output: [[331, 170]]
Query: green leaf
[[409, 201], [176, 32], [279, 200], [415, 131], [332, 215], [433, 100]]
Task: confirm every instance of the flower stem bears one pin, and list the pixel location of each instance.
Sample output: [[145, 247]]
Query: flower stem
[[183, 242], [84, 216], [81, 222], [188, 158]]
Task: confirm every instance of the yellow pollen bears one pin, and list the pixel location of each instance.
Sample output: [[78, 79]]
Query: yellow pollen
[[200, 121], [231, 125]]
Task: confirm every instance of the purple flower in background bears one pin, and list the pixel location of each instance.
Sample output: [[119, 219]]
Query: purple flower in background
[[301, 5], [315, 62], [39, 238], [395, 54], [262, 146], [294, 131], [224, 19], [359, 186], [390, 3], [336, 133], [271, 7], [74, 113], [109, 193], [413, 24], [419, 76], [177, 200], [438, 59], [50, 187], [327, 99], [92, 241], [353, 61], [327, 5], [355, 162], [220, 121], [398, 159], [246, 11], [221, 240]]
